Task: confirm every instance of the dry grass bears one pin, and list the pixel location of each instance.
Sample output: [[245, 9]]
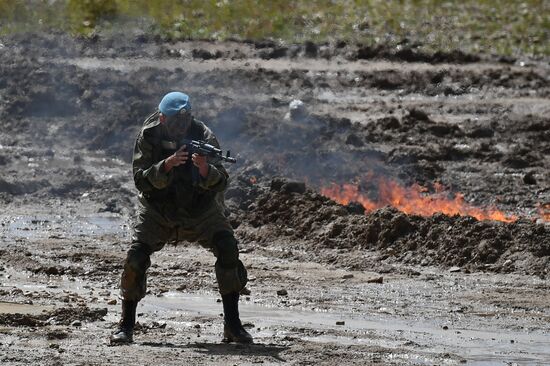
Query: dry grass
[[504, 27]]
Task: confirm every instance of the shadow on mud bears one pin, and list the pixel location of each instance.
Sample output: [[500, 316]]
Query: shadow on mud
[[212, 349]]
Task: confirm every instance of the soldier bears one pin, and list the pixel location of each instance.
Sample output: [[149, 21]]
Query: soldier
[[181, 198]]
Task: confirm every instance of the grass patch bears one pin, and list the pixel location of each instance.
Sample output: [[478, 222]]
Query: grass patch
[[505, 27]]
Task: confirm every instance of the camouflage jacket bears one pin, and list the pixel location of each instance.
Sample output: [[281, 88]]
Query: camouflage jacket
[[174, 195]]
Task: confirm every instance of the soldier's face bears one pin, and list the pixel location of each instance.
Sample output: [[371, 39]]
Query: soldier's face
[[178, 125]]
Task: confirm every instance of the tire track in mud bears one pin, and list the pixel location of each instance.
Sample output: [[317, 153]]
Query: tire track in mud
[[460, 90], [281, 65]]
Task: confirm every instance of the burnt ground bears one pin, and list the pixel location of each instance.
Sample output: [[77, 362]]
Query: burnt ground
[[329, 282]]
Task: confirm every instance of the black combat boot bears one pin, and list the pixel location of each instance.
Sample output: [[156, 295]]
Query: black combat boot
[[125, 332], [233, 330]]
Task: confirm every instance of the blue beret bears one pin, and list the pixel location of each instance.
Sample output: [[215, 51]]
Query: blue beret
[[173, 102]]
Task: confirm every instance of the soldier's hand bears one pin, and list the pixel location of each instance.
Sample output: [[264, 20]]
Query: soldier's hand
[[200, 162], [176, 159]]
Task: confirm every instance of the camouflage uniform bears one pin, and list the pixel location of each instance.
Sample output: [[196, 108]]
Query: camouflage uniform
[[175, 206]]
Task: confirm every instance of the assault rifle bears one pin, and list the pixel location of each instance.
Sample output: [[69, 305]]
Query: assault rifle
[[202, 148]]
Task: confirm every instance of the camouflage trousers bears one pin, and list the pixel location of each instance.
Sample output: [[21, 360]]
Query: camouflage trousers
[[211, 230]]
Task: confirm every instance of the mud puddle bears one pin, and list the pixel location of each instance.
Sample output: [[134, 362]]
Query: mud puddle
[[7, 307], [478, 347], [45, 226]]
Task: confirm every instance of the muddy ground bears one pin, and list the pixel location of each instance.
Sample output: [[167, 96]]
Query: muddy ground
[[329, 283]]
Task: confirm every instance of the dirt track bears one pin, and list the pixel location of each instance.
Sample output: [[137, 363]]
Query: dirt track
[[384, 287]]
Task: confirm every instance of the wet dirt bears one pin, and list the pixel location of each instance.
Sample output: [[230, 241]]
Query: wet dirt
[[329, 282]]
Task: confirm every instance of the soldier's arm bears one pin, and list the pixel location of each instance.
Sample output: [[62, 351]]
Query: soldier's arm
[[148, 175], [217, 177]]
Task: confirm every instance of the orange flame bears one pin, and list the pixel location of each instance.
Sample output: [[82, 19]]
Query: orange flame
[[412, 200], [544, 211]]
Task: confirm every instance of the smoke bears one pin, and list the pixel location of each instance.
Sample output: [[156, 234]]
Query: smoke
[[113, 103], [311, 148]]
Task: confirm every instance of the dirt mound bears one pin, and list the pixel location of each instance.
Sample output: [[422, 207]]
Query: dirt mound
[[61, 316], [287, 210]]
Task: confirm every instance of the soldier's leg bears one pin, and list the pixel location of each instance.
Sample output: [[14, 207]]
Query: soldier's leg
[[132, 287], [232, 277], [133, 283], [149, 236], [230, 271], [214, 232]]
